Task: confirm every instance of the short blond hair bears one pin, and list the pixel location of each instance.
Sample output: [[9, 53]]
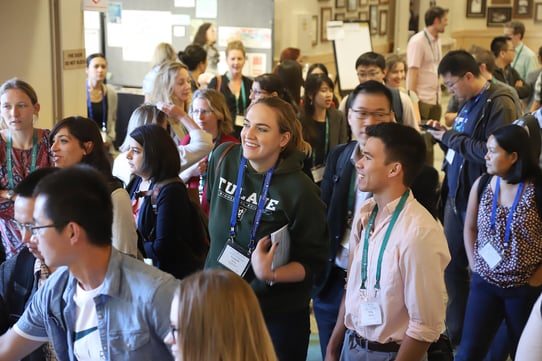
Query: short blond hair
[[220, 319], [162, 53], [236, 45]]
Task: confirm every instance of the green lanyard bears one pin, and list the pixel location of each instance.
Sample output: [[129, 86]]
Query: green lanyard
[[9, 162], [326, 143], [243, 97], [364, 260]]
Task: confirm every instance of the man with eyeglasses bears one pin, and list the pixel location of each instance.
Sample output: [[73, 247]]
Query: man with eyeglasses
[[503, 50], [102, 305], [372, 66], [488, 106], [21, 275], [370, 103]]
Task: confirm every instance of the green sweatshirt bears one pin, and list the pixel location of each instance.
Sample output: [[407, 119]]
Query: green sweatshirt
[[293, 199]]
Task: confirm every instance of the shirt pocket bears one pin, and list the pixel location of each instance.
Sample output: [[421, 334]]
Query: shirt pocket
[[125, 342]]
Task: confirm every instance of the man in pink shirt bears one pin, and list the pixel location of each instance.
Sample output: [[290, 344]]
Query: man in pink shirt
[[424, 51], [394, 302]]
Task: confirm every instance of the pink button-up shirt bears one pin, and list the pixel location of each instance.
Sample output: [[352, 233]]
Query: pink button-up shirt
[[424, 52], [412, 290]]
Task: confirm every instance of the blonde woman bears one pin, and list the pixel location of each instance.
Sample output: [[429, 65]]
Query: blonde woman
[[171, 94], [163, 53], [215, 316], [233, 84], [255, 189]]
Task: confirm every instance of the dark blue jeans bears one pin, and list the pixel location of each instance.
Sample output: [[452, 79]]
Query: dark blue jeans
[[487, 306], [326, 307], [290, 333], [456, 274]]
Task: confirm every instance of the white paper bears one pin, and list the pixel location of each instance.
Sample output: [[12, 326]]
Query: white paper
[[335, 30], [180, 19], [282, 252], [185, 3]]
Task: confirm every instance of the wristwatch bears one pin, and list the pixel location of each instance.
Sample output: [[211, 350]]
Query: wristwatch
[[10, 194]]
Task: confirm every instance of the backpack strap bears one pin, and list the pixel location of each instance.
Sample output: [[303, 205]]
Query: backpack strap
[[397, 105], [226, 151]]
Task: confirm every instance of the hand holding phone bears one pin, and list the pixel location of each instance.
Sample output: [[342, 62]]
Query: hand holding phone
[[427, 127]]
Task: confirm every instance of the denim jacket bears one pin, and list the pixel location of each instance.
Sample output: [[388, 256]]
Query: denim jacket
[[132, 311]]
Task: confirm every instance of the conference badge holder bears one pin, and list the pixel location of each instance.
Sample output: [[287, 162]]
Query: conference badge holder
[[235, 258]]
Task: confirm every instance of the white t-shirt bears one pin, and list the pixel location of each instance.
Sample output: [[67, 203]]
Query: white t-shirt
[[87, 345]]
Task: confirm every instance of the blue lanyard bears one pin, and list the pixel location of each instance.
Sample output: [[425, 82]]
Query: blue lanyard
[[9, 160], [261, 204], [463, 117], [104, 110], [510, 215], [436, 58], [370, 224]]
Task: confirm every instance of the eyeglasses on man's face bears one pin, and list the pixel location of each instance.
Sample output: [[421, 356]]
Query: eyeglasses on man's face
[[36, 230], [364, 114], [22, 227]]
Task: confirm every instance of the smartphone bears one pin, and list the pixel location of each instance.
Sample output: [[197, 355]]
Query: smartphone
[[426, 127]]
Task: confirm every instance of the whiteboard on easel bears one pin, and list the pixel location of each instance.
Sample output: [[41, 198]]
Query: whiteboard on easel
[[350, 40]]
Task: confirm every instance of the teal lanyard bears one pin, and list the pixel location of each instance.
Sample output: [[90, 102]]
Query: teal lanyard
[[365, 257], [10, 159], [243, 97], [326, 143]]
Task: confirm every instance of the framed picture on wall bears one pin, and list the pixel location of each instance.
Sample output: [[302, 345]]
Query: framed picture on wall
[[523, 9], [314, 30], [340, 3], [383, 22], [373, 19], [352, 5], [497, 16], [476, 8], [363, 2], [325, 16], [500, 2], [340, 16], [538, 13]]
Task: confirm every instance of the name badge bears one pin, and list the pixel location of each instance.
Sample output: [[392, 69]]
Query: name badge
[[234, 258], [318, 173], [450, 154], [239, 120], [490, 255], [371, 315]]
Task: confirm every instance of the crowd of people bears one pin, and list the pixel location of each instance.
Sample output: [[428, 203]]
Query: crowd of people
[[236, 205]]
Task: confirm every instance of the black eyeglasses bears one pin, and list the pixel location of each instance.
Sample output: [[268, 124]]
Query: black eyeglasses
[[173, 330], [35, 229]]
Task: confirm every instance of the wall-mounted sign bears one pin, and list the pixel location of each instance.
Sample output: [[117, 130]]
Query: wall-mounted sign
[[74, 59]]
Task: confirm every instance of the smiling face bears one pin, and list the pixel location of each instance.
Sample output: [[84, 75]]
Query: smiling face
[[498, 160], [372, 167], [67, 149], [136, 156], [17, 110], [51, 244], [261, 138], [235, 60], [396, 75], [181, 88]]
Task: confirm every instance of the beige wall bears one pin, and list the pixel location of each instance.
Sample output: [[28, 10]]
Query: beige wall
[[27, 45]]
